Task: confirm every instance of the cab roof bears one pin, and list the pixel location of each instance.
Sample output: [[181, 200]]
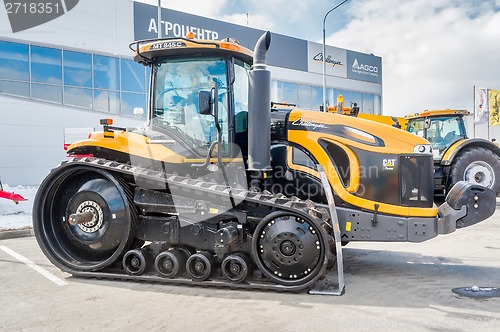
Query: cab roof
[[147, 50], [430, 113]]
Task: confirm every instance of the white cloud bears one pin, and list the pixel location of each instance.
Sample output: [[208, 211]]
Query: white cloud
[[433, 51]]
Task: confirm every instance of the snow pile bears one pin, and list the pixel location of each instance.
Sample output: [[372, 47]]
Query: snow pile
[[17, 216]]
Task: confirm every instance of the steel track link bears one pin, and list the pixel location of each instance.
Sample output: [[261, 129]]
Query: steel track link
[[276, 202]]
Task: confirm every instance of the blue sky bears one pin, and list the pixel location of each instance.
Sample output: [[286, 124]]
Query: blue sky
[[433, 51]]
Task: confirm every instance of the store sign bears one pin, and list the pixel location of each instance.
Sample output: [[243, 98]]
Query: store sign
[[364, 67], [335, 59], [176, 24]]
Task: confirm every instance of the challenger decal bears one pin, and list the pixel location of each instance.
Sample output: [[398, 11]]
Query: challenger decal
[[308, 124], [343, 131]]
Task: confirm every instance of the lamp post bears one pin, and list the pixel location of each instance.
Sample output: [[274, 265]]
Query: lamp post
[[159, 20], [324, 53]]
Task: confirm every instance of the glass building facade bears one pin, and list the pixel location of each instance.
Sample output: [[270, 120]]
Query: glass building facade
[[311, 97], [77, 79], [118, 85]]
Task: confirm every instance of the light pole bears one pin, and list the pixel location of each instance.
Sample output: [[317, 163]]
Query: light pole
[[159, 19], [324, 53]]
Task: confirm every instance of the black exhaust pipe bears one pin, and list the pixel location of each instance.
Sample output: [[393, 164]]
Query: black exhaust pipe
[[259, 108]]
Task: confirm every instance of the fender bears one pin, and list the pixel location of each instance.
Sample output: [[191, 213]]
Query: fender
[[458, 146]]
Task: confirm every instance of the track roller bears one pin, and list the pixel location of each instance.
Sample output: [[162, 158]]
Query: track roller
[[236, 267], [135, 261], [171, 263], [199, 266]]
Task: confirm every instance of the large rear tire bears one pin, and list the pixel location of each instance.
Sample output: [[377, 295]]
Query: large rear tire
[[93, 245], [478, 166]]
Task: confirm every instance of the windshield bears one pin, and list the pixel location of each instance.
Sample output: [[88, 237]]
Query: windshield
[[178, 83], [441, 132]]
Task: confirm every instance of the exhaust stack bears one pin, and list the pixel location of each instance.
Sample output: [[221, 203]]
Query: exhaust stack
[[259, 108]]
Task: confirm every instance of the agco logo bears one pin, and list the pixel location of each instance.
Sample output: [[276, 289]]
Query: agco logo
[[389, 164], [364, 69]]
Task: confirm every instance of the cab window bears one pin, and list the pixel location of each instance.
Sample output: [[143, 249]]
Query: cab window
[[178, 83]]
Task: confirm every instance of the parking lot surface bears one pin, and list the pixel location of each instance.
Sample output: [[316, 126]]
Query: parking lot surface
[[389, 286]]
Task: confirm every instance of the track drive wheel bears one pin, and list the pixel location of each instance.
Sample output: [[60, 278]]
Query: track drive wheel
[[105, 201], [290, 249]]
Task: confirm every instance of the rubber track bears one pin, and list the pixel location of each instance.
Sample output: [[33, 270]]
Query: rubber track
[[277, 202]]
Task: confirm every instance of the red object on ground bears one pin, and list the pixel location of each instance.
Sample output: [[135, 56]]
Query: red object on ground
[[16, 198]]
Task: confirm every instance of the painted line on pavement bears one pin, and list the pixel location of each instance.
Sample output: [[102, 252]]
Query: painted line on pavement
[[35, 267]]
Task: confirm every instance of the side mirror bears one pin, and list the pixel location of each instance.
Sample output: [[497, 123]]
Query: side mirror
[[427, 123], [205, 102]]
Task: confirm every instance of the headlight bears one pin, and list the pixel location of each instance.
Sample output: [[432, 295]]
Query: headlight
[[423, 149]]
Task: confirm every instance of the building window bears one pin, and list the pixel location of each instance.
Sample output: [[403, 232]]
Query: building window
[[355, 99], [14, 63], [106, 73], [132, 76], [79, 97], [46, 65], [107, 101], [77, 69], [129, 101], [15, 88], [367, 107], [14, 69], [47, 92], [316, 97], [304, 96], [287, 92]]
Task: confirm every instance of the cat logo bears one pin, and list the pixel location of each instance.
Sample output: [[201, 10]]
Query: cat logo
[[389, 164]]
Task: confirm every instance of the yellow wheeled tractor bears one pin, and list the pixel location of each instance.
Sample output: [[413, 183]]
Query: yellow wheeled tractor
[[221, 189], [456, 156]]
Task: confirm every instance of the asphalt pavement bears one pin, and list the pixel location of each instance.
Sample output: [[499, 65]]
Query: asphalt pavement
[[389, 286]]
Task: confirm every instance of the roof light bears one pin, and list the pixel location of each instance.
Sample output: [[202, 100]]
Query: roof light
[[107, 121], [229, 46], [190, 35]]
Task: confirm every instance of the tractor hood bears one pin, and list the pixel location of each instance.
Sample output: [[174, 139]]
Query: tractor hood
[[359, 133]]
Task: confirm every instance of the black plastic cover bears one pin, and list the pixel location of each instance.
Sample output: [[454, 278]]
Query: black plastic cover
[[480, 202]]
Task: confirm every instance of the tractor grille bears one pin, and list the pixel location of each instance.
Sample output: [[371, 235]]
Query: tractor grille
[[416, 173], [404, 180]]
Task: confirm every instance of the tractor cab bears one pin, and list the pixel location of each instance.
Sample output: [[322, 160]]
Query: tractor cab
[[441, 128], [198, 87]]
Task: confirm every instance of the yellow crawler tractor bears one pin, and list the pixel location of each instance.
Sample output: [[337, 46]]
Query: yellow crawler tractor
[[221, 189]]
